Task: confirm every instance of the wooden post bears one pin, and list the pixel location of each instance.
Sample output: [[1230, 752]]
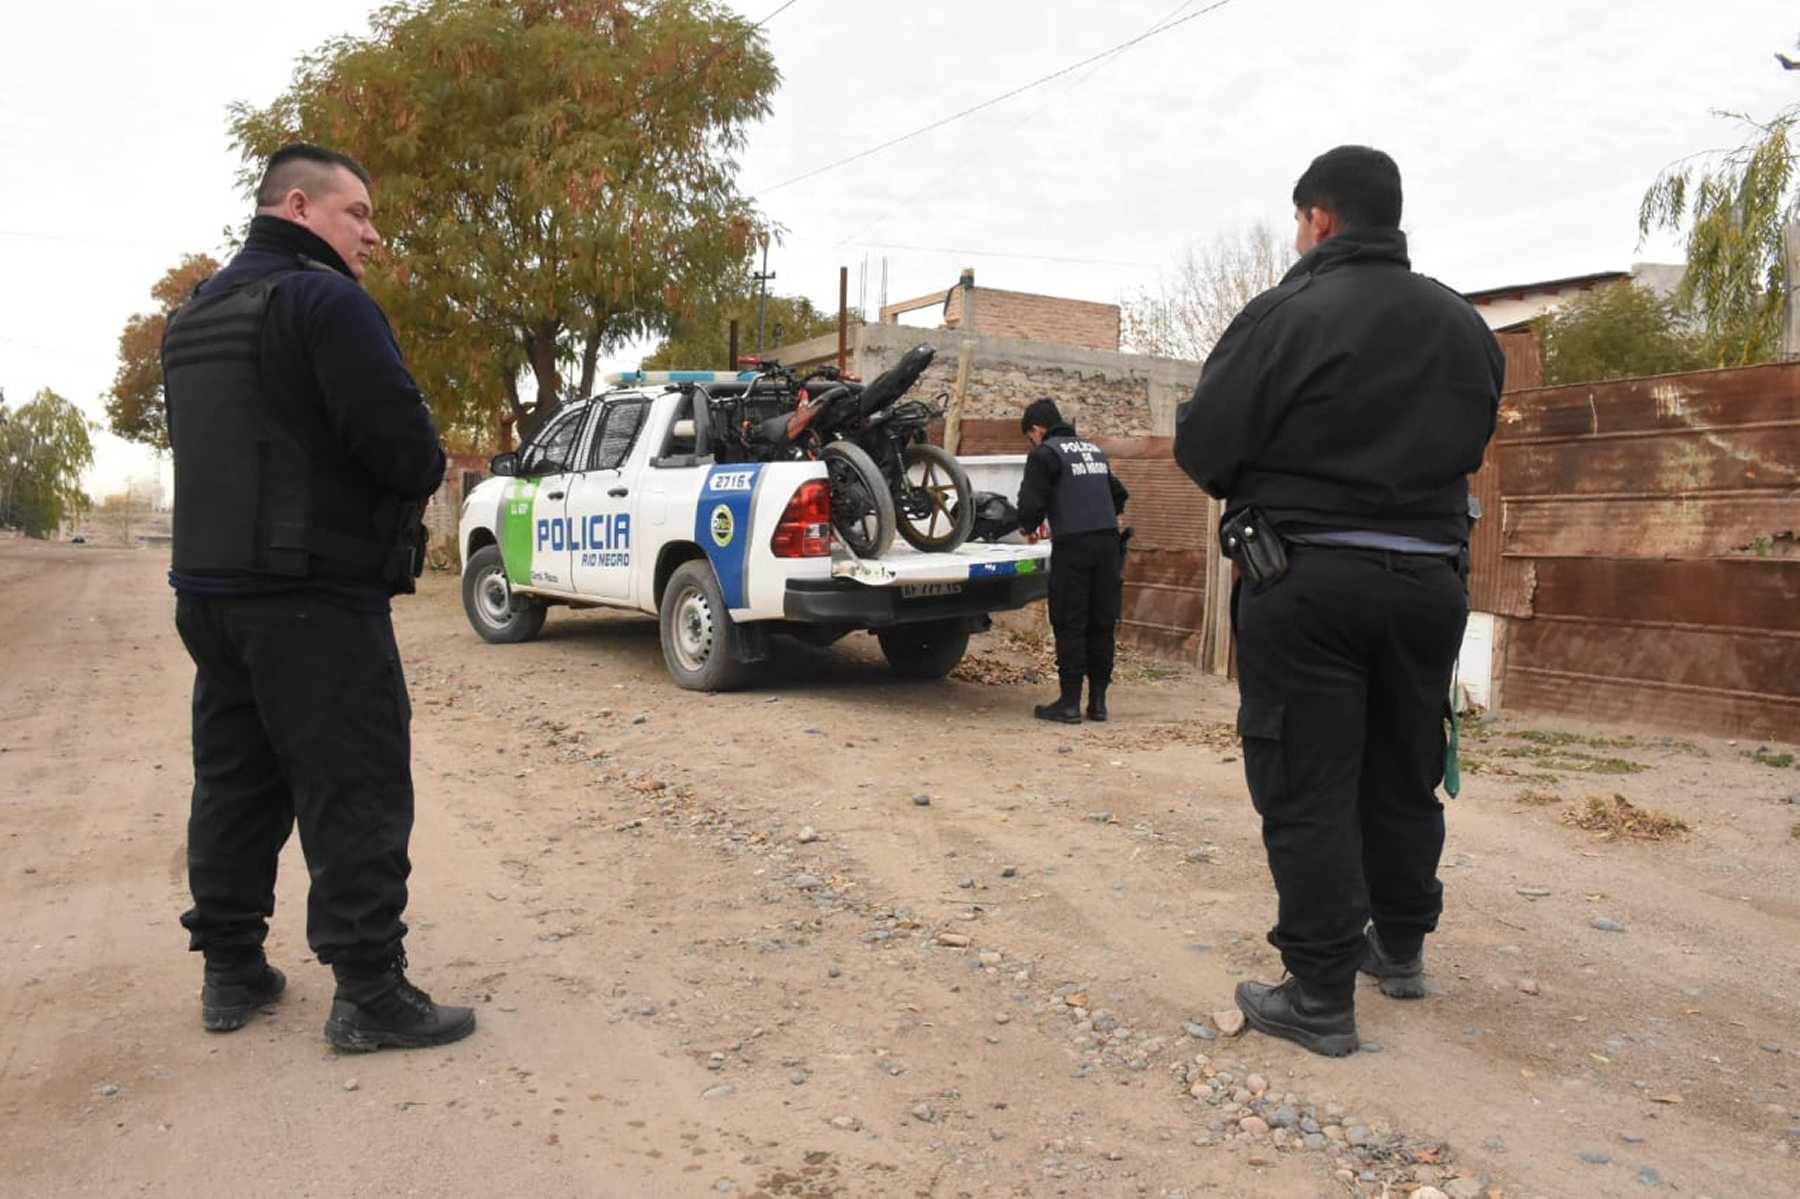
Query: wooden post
[[734, 343], [1790, 331], [843, 317], [965, 359]]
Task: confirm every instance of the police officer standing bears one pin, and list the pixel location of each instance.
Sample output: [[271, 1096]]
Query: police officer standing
[[304, 454], [1069, 482], [1339, 417]]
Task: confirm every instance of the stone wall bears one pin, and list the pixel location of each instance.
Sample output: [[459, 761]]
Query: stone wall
[[1104, 393]]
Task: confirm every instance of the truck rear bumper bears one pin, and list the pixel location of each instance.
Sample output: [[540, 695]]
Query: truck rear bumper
[[840, 601]]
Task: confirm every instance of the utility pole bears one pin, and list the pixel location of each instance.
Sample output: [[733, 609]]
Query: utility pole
[[762, 277], [843, 315]]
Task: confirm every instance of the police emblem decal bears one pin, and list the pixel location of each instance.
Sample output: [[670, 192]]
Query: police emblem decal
[[724, 527]]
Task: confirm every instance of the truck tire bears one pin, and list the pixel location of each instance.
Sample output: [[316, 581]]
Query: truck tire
[[937, 512], [696, 631], [496, 613], [927, 650], [862, 509]]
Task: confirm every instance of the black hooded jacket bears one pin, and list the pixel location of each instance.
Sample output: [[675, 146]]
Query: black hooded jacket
[[1355, 395]]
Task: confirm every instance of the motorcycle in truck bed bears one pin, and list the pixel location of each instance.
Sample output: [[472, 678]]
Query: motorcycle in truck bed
[[620, 501]]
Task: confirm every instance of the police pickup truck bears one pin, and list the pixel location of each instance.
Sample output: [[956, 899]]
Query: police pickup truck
[[619, 502]]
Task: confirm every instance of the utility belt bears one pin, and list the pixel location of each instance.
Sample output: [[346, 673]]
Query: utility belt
[[1260, 550]]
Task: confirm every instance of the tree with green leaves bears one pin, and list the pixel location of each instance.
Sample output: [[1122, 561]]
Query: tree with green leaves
[[553, 178], [134, 406], [1615, 333], [44, 448], [1734, 207], [701, 340]]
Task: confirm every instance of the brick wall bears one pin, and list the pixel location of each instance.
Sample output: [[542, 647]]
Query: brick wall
[[1027, 317]]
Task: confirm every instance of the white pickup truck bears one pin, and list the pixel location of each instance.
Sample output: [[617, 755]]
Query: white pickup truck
[[618, 503]]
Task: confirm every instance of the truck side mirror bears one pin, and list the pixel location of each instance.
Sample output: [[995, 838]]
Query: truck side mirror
[[506, 464]]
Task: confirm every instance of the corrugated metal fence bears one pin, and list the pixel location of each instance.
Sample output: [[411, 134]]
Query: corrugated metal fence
[[1648, 550]]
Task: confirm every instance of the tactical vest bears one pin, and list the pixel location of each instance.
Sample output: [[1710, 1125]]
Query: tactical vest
[[1081, 501], [249, 475]]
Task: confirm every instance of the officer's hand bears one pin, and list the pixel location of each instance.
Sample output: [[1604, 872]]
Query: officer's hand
[[1038, 534]]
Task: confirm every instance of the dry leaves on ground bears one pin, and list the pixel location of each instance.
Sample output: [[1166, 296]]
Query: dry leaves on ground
[[1214, 735], [1614, 816]]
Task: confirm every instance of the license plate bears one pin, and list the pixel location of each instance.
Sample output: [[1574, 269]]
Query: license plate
[[927, 590]]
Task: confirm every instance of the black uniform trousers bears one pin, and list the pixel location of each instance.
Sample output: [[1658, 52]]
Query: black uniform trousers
[[300, 716], [1086, 597], [1344, 666]]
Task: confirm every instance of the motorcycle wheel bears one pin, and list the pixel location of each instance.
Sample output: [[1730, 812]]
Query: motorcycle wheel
[[936, 511], [862, 511]]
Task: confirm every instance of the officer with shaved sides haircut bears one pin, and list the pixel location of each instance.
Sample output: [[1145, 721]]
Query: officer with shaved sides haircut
[[304, 455], [1339, 418]]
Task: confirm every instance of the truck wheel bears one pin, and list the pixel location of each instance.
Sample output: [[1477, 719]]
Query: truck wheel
[[696, 631], [937, 508], [497, 614], [862, 509], [927, 650]]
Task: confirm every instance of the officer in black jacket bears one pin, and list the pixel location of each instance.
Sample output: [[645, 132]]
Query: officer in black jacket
[[304, 454], [1069, 482], [1339, 417]]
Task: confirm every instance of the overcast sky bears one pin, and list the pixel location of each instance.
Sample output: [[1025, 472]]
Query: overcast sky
[[1526, 134]]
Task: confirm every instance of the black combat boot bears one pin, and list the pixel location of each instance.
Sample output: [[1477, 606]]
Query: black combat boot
[[234, 987], [1399, 978], [377, 1008], [1293, 1013], [1067, 709], [1096, 709]]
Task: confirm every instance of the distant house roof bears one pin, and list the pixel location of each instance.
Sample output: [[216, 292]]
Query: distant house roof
[[1519, 291]]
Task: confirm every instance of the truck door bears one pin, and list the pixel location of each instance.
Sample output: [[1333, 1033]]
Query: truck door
[[603, 503], [534, 540]]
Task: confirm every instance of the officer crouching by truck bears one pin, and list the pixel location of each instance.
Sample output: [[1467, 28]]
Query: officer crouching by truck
[[1070, 483]]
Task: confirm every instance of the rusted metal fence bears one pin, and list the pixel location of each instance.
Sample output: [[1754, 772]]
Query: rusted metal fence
[[1647, 552]]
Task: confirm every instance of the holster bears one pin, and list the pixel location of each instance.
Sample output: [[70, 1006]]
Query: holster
[[1251, 542], [1125, 536], [406, 562]]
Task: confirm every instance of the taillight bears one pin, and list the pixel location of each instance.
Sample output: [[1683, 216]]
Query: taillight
[[805, 528]]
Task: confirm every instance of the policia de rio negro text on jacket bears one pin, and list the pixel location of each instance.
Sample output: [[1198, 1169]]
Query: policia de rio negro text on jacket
[[1069, 482], [304, 454], [1339, 417]]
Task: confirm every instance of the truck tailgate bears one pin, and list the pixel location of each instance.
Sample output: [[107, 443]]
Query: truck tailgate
[[904, 566]]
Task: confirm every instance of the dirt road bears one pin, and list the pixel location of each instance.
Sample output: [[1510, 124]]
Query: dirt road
[[720, 944]]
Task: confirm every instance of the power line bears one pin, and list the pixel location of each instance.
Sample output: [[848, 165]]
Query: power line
[[51, 350], [894, 203], [888, 245], [156, 245], [91, 241], [989, 103]]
